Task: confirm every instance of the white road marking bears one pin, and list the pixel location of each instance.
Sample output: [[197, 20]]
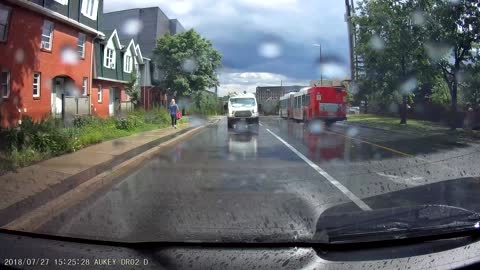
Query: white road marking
[[323, 173]]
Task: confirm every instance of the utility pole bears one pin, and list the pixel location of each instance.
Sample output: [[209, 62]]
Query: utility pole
[[321, 62], [320, 65], [349, 6]]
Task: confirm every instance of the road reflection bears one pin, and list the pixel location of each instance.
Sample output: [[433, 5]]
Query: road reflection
[[322, 144], [242, 145]]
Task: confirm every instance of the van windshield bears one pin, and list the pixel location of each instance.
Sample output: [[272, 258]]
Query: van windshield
[[242, 101]]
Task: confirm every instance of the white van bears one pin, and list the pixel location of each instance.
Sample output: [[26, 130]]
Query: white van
[[242, 108]]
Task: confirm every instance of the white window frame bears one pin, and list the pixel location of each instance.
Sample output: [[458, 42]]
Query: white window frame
[[5, 84], [127, 67], [37, 84], [81, 46], [47, 23], [84, 86], [7, 23], [109, 62], [100, 94], [63, 2], [90, 9]]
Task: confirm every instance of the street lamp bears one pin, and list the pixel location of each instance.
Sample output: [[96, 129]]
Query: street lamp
[[321, 74]]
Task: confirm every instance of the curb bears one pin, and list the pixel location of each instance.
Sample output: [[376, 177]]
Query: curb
[[23, 207]]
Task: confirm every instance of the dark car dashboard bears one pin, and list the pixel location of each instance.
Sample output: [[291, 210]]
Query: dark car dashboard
[[27, 251]]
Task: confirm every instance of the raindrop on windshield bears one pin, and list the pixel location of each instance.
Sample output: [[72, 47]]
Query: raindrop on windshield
[[354, 88], [393, 108], [418, 17], [69, 56], [352, 132], [19, 56], [408, 86], [189, 65], [269, 50], [132, 27], [316, 127], [437, 50], [72, 90], [333, 70], [377, 43], [462, 76]]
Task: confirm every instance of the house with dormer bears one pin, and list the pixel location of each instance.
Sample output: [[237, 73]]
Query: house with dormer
[[46, 57], [115, 66]]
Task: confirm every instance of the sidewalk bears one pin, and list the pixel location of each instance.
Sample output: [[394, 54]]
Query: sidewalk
[[35, 185]]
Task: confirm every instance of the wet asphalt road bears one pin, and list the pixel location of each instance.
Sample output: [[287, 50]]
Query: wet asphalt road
[[248, 185]]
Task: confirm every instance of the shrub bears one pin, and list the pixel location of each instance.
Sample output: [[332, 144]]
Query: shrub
[[83, 121], [43, 142], [12, 138], [125, 123]]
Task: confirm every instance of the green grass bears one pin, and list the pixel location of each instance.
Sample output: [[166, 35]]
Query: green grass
[[88, 132], [393, 123]]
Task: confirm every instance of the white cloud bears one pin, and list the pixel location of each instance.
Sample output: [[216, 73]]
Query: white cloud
[[248, 81]]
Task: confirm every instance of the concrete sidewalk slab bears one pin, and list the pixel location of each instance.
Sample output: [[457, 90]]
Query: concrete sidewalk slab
[[35, 185]]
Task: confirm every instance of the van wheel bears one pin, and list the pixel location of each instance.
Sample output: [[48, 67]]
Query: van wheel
[[229, 124]]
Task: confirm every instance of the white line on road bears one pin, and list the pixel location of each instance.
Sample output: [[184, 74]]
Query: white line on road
[[323, 173]]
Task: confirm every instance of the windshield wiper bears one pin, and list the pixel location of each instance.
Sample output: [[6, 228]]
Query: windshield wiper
[[395, 224]]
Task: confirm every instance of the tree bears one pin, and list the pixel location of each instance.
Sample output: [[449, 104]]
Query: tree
[[454, 27], [187, 62], [132, 88], [389, 41], [471, 85]]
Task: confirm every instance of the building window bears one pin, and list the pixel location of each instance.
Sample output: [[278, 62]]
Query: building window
[[109, 58], [81, 44], [5, 83], [36, 84], [63, 2], [4, 19], [47, 33], [128, 64], [84, 86], [100, 93], [90, 8]]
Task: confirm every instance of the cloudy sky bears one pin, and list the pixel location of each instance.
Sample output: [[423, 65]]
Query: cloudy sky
[[263, 41]]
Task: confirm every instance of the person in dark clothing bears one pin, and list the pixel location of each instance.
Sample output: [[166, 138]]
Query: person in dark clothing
[[173, 112]]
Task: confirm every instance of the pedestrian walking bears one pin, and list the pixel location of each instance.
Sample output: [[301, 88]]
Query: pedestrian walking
[[173, 112]]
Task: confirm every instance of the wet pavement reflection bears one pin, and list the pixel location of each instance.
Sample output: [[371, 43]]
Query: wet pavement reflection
[[246, 185]]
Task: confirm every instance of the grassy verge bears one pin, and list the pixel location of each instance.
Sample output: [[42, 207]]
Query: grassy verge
[[393, 123], [34, 142]]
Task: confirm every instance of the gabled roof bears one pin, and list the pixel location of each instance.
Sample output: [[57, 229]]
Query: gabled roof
[[131, 47], [138, 53], [114, 36]]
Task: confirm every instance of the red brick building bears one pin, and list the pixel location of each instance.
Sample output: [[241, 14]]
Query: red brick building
[[45, 55]]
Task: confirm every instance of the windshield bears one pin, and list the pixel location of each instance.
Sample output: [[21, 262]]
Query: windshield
[[242, 101], [117, 126]]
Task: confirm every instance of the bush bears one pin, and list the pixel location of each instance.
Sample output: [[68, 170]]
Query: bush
[[80, 122], [125, 123]]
